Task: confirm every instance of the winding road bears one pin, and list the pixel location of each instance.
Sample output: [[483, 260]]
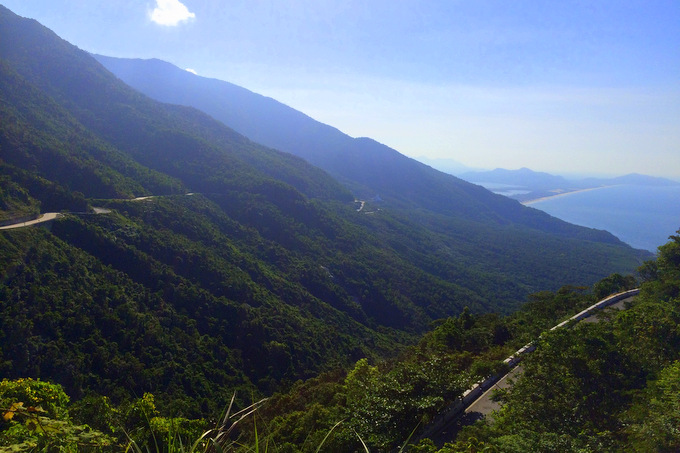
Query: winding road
[[46, 217], [49, 216], [468, 412]]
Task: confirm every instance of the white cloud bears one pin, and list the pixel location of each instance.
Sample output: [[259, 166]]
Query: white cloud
[[170, 13], [193, 71]]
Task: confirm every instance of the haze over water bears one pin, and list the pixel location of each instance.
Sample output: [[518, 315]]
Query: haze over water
[[642, 216]]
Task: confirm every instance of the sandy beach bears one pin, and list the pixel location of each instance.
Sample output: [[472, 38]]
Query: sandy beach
[[561, 194]]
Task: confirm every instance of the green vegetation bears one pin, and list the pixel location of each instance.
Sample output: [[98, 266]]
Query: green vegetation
[[383, 404], [73, 124], [265, 276], [265, 281], [366, 166], [608, 386], [15, 203], [35, 417]]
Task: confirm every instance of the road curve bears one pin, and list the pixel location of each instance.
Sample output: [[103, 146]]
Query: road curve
[[49, 216], [476, 402], [46, 217], [484, 405]]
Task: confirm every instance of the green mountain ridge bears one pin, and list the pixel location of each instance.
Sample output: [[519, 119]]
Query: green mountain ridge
[[367, 167], [266, 275]]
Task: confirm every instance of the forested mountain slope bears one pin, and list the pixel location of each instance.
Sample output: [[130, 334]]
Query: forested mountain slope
[[266, 274], [369, 168]]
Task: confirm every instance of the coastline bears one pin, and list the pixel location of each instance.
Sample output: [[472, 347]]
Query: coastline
[[536, 200]]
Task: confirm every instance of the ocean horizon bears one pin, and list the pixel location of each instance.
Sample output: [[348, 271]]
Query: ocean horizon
[[641, 216]]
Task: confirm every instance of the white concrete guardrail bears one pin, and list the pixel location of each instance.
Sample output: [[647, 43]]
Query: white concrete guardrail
[[457, 408]]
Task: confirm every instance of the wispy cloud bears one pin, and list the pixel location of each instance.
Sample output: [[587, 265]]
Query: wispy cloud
[[193, 71], [170, 13]]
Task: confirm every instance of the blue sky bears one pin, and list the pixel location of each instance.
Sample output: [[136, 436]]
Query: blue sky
[[572, 86]]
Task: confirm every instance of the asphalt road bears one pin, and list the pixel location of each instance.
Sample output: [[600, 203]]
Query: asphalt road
[[46, 217], [620, 305], [484, 406]]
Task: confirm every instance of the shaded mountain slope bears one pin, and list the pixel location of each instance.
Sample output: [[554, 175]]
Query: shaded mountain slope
[[45, 137], [364, 165], [155, 136]]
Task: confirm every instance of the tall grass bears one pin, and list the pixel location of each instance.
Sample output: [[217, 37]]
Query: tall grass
[[220, 438], [215, 440]]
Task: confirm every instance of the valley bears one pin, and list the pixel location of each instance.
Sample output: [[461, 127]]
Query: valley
[[235, 250]]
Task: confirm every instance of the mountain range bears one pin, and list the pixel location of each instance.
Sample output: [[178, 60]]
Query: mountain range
[[525, 184], [251, 265], [371, 170]]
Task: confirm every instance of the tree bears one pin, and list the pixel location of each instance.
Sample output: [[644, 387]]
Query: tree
[[613, 284], [656, 426], [35, 417]]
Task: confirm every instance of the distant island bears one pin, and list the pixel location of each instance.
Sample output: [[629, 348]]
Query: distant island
[[528, 186]]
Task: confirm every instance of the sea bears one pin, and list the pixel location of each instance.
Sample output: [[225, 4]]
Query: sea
[[641, 216]]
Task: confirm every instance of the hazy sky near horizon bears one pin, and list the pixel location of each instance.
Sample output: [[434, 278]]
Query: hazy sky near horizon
[[564, 86]]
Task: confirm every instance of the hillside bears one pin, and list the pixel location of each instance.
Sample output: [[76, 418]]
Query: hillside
[[368, 168], [249, 267]]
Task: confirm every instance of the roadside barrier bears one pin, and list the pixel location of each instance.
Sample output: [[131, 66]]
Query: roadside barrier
[[458, 407]]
